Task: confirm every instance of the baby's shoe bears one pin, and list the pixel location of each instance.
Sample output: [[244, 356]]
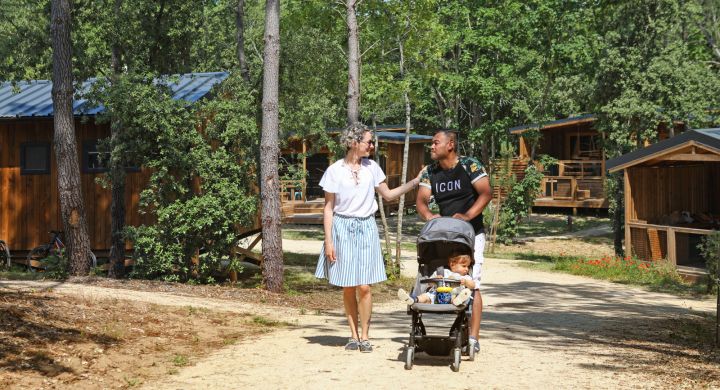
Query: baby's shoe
[[405, 297], [461, 297]]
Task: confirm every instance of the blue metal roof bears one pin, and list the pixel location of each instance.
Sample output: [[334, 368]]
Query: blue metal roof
[[400, 137], [559, 122], [34, 98]]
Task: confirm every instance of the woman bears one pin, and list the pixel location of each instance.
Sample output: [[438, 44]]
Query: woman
[[351, 257]]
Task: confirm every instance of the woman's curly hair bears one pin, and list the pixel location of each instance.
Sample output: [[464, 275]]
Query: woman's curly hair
[[352, 133]]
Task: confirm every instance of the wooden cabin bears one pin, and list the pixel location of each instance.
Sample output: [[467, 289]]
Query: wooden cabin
[[29, 204], [672, 197], [303, 199], [578, 179]]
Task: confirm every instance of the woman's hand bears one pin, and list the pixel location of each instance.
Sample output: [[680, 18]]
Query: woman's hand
[[330, 251]]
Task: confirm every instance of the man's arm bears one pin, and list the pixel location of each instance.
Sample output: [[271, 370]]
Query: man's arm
[[482, 187], [421, 203]]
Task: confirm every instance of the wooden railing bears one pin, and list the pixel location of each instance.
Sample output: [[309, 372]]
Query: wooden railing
[[655, 242], [292, 191], [571, 188], [574, 180], [580, 168]]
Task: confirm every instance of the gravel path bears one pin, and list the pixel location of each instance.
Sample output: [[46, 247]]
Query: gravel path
[[540, 330]]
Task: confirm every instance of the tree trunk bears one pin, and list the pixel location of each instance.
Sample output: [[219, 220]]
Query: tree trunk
[[117, 209], [383, 218], [406, 149], [72, 207], [240, 35], [353, 109], [117, 173], [270, 153]]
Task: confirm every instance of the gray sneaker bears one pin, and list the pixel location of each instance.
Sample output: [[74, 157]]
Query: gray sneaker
[[352, 344], [474, 344], [365, 346]]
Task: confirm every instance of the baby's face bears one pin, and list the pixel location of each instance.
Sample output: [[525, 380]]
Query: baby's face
[[461, 267]]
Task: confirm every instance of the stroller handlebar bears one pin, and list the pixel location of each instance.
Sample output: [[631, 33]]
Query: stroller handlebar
[[443, 281]]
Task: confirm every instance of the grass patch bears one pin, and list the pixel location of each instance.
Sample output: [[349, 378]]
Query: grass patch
[[180, 360], [267, 322], [656, 276], [304, 234], [556, 225], [17, 272], [300, 259]]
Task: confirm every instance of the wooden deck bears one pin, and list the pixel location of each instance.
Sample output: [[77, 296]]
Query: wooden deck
[[574, 183]]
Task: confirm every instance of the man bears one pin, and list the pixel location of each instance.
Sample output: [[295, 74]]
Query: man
[[461, 188]]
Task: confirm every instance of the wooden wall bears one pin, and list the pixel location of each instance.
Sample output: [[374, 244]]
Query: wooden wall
[[658, 191], [393, 166], [29, 205]]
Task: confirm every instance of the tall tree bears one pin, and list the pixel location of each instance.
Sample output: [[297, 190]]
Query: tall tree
[[270, 152], [353, 94], [72, 207], [117, 166], [240, 26]]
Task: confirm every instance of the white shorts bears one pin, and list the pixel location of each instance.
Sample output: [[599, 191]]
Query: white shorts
[[479, 258]]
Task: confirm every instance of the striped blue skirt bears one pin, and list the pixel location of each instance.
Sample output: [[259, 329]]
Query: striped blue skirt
[[357, 250]]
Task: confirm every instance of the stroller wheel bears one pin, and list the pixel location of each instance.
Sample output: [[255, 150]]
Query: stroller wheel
[[471, 352], [456, 360], [409, 357]]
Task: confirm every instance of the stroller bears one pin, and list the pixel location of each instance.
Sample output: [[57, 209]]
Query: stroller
[[437, 240]]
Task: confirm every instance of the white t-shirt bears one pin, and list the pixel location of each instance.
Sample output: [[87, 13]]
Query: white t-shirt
[[451, 275], [353, 199]]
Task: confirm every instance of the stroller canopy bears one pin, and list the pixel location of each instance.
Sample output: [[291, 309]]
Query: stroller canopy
[[440, 236]]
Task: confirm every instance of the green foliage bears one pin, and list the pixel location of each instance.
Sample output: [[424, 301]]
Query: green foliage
[[25, 39], [520, 194], [710, 250], [518, 203], [202, 161], [56, 265]]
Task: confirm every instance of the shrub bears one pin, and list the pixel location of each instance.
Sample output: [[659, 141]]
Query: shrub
[[710, 249], [623, 269]]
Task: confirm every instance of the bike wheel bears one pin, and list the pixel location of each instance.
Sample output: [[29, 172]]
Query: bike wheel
[[93, 260], [36, 256], [5, 261]]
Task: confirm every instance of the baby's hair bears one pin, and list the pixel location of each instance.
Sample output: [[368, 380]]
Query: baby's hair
[[456, 257]]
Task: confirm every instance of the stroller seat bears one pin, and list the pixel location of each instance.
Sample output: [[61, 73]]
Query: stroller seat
[[438, 239], [437, 308]]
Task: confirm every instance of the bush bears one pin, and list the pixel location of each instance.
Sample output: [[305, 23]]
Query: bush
[[710, 250], [203, 168]]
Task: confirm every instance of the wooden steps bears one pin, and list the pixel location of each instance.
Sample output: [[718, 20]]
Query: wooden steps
[[517, 169], [305, 213]]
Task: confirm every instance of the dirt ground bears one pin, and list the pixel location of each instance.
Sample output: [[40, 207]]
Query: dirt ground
[[540, 330], [48, 340]]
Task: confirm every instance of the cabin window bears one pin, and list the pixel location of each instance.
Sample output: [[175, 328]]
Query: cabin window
[[35, 158], [95, 161]]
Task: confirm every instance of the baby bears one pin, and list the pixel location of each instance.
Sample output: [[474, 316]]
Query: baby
[[459, 268]]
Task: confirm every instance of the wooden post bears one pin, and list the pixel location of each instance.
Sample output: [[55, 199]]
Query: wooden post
[[717, 306], [629, 205], [304, 182], [671, 247]]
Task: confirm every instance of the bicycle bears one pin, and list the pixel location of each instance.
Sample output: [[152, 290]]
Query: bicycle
[[54, 248], [5, 260]]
